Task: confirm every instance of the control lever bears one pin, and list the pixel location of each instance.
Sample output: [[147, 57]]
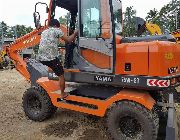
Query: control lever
[[97, 38]]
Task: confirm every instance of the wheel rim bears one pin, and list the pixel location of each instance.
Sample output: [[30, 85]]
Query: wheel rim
[[34, 104], [130, 127]]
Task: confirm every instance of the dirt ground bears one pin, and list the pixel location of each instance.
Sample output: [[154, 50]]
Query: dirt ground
[[64, 125]]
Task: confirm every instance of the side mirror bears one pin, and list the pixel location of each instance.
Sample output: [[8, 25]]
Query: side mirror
[[36, 16]]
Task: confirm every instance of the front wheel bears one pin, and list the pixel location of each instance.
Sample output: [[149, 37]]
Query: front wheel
[[37, 104], [131, 121]]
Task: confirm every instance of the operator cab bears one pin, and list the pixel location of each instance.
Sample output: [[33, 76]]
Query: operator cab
[[97, 21]]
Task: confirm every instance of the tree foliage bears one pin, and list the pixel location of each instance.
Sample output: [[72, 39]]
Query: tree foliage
[[13, 31], [151, 15], [129, 22], [63, 20], [22, 30], [166, 17], [3, 29]]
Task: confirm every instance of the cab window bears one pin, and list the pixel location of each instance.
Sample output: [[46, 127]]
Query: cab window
[[117, 11], [90, 18]]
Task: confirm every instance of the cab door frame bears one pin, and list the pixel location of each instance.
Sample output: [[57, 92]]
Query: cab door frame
[[105, 46]]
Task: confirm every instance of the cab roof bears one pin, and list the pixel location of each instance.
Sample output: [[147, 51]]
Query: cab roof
[[70, 5]]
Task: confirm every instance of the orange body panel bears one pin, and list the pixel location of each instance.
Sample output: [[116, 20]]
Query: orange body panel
[[71, 70], [163, 55], [140, 97], [147, 58], [98, 59], [134, 53], [118, 39]]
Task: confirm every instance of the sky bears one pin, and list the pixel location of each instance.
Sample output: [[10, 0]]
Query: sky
[[15, 12]]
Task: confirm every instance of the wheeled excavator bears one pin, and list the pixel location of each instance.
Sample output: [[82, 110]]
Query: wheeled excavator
[[129, 80]]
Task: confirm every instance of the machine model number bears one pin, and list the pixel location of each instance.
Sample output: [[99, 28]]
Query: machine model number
[[129, 80], [103, 78]]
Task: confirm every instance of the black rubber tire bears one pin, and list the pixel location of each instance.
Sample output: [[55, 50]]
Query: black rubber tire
[[147, 122], [34, 96]]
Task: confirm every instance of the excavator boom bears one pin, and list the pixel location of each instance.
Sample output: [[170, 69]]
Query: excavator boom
[[154, 29], [29, 40]]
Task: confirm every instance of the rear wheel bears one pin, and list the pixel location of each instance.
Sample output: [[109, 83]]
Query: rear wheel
[[131, 121], [37, 104]]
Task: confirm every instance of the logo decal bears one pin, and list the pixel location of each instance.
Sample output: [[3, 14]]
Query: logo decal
[[103, 78], [173, 70], [169, 56]]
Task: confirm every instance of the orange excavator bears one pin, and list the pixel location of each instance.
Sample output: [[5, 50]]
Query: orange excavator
[[142, 26], [130, 80]]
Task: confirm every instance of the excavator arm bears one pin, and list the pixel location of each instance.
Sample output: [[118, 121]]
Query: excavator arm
[[29, 40], [153, 29]]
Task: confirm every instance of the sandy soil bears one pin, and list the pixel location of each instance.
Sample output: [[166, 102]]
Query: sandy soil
[[64, 125]]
